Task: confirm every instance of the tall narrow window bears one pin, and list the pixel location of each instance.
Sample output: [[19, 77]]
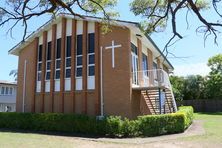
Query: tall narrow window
[[11, 91], [155, 68], [48, 62], [39, 66], [68, 57], [58, 59], [6, 91], [79, 57], [39, 69], [134, 60], [91, 54], [145, 66], [3, 90]]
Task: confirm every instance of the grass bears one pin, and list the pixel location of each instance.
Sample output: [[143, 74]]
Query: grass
[[212, 123]]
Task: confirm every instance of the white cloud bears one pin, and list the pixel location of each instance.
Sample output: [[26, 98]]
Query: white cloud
[[191, 69]]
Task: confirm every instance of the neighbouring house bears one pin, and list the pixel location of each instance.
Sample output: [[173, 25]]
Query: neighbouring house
[[70, 66], [7, 96]]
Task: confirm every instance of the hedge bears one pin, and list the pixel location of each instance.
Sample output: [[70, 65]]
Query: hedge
[[149, 125]]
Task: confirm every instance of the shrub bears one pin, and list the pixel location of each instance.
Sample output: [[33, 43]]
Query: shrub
[[150, 125]]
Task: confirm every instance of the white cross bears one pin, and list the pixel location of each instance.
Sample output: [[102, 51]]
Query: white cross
[[113, 52]]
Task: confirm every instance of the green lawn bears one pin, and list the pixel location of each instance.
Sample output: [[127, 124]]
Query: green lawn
[[212, 138], [212, 123]]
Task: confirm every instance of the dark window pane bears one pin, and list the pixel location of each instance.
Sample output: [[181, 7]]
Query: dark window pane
[[39, 76], [40, 67], [68, 73], [154, 65], [79, 61], [48, 66], [57, 74], [68, 62], [79, 72], [47, 75], [145, 67], [91, 43], [6, 90], [91, 59], [58, 51], [40, 53], [3, 90], [134, 48], [91, 70], [58, 63], [11, 91], [68, 46], [79, 44], [49, 51]]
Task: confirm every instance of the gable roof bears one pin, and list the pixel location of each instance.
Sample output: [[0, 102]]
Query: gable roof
[[129, 24]]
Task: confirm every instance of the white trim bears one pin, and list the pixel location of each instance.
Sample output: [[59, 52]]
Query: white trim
[[101, 83], [24, 87]]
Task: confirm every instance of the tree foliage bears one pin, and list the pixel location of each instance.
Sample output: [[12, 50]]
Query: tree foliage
[[158, 14], [15, 11], [198, 87]]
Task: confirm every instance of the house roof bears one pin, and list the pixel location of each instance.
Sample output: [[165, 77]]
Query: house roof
[[3, 82], [135, 25]]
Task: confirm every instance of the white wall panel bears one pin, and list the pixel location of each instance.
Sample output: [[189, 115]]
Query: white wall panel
[[91, 27], [69, 27], [59, 30], [41, 40], [57, 85], [67, 84], [38, 86], [49, 35], [91, 82], [47, 86], [79, 29], [78, 83]]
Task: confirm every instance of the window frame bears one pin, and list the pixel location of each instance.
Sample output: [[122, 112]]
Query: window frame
[[78, 56], [68, 57], [58, 59], [48, 61]]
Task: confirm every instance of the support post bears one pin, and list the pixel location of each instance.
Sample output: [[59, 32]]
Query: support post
[[160, 101]]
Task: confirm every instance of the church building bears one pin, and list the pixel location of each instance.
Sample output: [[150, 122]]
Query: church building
[[70, 66]]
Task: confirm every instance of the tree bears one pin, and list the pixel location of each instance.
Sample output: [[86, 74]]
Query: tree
[[15, 11], [214, 82], [188, 88], [160, 13]]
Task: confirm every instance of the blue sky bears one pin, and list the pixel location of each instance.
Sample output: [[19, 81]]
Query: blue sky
[[192, 46]]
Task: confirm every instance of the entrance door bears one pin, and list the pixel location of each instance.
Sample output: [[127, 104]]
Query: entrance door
[[134, 68]]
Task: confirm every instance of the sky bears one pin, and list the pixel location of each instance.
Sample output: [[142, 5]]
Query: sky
[[191, 54]]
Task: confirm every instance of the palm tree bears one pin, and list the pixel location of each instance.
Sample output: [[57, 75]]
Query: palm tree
[[14, 73]]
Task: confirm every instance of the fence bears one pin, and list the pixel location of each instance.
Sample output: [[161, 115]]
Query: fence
[[203, 105]]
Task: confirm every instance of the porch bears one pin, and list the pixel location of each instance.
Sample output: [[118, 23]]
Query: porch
[[154, 87]]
